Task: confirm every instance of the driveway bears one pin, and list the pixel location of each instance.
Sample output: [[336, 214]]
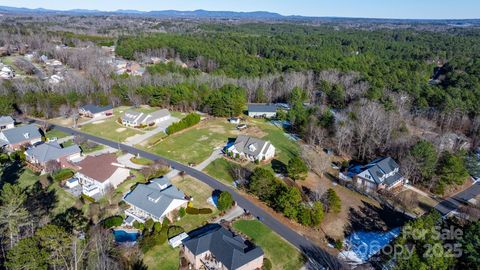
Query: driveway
[[456, 201], [232, 214], [217, 153], [125, 160], [161, 127]]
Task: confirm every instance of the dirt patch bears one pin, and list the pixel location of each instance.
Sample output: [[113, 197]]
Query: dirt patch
[[119, 130], [254, 131], [98, 122], [203, 138]]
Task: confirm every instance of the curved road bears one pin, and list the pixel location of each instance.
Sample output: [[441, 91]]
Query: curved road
[[317, 257]]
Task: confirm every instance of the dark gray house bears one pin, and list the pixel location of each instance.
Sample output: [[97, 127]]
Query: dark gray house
[[221, 249], [262, 110]]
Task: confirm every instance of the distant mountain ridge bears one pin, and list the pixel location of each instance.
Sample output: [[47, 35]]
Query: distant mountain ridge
[[155, 13]]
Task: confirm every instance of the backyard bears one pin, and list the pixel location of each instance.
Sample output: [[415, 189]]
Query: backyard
[[276, 249]]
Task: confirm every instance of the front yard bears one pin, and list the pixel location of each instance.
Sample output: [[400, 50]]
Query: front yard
[[280, 252], [110, 129]]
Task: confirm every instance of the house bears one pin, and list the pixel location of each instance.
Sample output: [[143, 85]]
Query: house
[[156, 200], [251, 148], [382, 173], [97, 174], [234, 120], [46, 152], [219, 248], [94, 111], [6, 122], [138, 119], [15, 138], [260, 110]]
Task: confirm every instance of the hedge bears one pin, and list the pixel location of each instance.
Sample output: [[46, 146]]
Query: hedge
[[190, 120], [174, 231], [88, 198], [196, 211], [63, 174]]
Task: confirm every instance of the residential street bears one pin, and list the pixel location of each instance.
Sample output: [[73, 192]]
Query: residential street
[[459, 199], [317, 256]]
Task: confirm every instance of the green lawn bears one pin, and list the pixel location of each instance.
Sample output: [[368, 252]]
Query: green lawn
[[141, 161], [178, 115], [196, 144], [53, 133], [281, 253], [220, 170], [110, 129], [162, 257], [65, 200], [27, 179]]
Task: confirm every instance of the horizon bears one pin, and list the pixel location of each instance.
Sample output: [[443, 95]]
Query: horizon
[[368, 9]]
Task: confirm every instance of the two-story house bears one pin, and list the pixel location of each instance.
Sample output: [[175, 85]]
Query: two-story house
[[251, 148]]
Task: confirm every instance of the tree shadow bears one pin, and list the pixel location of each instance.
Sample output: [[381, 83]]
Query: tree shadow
[[40, 201], [72, 220], [11, 172], [317, 258], [279, 167], [372, 218]]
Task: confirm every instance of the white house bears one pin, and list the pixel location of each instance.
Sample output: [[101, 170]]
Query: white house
[[156, 200], [382, 173], [138, 119], [99, 173], [260, 110], [6, 122], [251, 148]]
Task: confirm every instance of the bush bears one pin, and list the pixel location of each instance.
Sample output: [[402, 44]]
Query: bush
[[111, 222], [157, 226], [63, 174], [174, 231], [334, 202], [225, 201], [189, 120], [267, 264], [88, 198], [182, 212], [137, 225], [338, 244], [149, 224], [205, 211], [192, 211]]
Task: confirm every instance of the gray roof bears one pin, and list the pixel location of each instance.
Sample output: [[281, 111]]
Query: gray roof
[[52, 151], [154, 197], [141, 117], [96, 109], [5, 120], [260, 107], [381, 166], [249, 145], [232, 251], [22, 133]]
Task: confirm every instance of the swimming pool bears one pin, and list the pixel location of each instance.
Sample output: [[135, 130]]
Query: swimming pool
[[122, 236]]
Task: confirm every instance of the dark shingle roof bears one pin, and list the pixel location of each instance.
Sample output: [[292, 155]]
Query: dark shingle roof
[[250, 145], [5, 120], [232, 251], [96, 109], [52, 151], [382, 166], [262, 108]]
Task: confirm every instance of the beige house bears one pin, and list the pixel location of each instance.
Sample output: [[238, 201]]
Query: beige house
[[219, 248]]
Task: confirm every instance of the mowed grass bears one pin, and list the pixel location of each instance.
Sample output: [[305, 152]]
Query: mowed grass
[[27, 179], [280, 252], [162, 257], [193, 145], [53, 133], [200, 193], [220, 169], [110, 129]]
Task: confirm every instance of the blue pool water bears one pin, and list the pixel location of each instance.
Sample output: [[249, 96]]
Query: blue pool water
[[123, 236], [367, 244]]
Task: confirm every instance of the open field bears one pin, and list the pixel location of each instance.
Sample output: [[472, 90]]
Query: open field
[[220, 170], [280, 252]]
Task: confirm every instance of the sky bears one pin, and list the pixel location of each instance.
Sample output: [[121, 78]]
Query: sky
[[402, 9]]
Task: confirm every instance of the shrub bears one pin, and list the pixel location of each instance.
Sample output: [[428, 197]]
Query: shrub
[[88, 198], [189, 120], [338, 244], [137, 225], [334, 202], [157, 226], [62, 175], [111, 222], [174, 231], [192, 211], [182, 212], [225, 201], [267, 264], [149, 224], [205, 211]]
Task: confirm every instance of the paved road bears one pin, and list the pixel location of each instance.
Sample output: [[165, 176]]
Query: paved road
[[317, 257], [453, 203]]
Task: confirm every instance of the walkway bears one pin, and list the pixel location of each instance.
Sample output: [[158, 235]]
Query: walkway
[[126, 160], [317, 257]]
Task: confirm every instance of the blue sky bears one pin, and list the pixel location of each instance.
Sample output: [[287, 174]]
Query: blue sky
[[413, 9]]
